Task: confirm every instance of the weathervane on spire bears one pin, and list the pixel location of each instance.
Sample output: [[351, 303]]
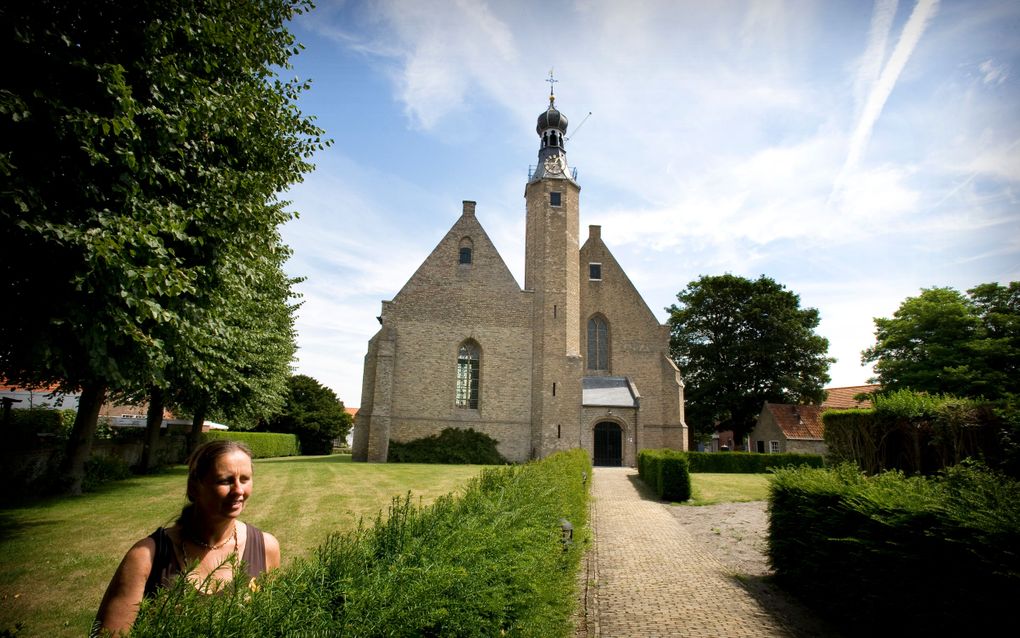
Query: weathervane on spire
[[551, 81]]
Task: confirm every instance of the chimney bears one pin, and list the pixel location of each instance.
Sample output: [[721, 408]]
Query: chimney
[[594, 231], [469, 208]]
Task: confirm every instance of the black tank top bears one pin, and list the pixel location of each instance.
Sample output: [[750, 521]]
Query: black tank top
[[165, 566]]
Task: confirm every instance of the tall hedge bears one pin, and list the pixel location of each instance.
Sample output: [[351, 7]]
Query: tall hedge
[[262, 444], [667, 472], [891, 554], [921, 433], [492, 562]]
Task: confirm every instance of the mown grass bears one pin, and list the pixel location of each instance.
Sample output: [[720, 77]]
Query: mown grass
[[711, 489], [58, 554]]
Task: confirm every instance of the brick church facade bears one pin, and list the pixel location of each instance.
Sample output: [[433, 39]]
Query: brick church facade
[[574, 359]]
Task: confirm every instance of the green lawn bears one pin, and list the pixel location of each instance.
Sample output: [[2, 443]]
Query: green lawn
[[58, 554], [709, 488]]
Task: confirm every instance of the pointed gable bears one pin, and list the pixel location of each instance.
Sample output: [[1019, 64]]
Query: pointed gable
[[449, 282], [610, 287]]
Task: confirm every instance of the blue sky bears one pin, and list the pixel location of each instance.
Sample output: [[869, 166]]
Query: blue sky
[[854, 152]]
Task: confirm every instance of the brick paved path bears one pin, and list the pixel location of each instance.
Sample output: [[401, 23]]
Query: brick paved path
[[651, 579]]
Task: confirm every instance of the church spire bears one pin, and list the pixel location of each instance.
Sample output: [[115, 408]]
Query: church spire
[[552, 129]]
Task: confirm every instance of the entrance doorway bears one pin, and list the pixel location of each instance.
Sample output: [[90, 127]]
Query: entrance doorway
[[608, 444]]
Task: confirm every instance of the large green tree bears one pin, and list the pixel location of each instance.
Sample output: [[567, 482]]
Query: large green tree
[[142, 148], [944, 341], [740, 343], [314, 413]]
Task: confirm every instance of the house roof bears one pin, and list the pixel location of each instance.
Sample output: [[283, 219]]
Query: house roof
[[843, 398], [798, 421], [613, 392], [351, 411]]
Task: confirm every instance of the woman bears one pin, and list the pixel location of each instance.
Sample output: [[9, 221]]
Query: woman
[[208, 531]]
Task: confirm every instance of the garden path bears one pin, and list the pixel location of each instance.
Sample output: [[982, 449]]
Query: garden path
[[650, 577]]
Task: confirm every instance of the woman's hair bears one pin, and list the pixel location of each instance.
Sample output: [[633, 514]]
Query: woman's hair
[[202, 461]]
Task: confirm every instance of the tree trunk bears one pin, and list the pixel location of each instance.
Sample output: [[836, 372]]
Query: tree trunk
[[196, 428], [79, 444], [153, 423]]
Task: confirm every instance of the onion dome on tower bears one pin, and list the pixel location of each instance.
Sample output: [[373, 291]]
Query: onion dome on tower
[[552, 128]]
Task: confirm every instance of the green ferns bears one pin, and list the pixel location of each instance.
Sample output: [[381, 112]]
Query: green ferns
[[491, 562]]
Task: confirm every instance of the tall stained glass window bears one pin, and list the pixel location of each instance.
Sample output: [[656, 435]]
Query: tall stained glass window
[[598, 344]]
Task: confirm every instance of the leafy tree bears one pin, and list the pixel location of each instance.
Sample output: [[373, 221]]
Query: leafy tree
[[740, 343], [142, 147], [945, 342], [314, 413]]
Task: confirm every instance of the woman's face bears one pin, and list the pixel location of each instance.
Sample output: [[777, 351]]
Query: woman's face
[[225, 489]]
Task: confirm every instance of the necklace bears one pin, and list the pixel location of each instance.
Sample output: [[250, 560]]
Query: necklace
[[214, 547]]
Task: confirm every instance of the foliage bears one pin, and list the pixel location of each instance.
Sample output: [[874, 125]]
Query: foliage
[[314, 413], [143, 149], [262, 444], [913, 552], [740, 343], [37, 426], [452, 445], [491, 562], [102, 470], [748, 462], [667, 472], [923, 433], [944, 342]]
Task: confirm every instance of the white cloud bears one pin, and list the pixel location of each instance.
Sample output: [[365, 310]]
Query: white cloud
[[993, 73]]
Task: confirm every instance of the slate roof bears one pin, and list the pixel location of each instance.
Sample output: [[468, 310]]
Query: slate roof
[[613, 392]]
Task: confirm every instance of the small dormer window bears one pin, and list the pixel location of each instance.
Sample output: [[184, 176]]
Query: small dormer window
[[595, 272], [465, 255], [556, 198]]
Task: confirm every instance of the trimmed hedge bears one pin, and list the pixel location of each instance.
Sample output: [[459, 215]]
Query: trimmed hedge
[[451, 446], [895, 554], [490, 563], [262, 444], [667, 472], [749, 462]]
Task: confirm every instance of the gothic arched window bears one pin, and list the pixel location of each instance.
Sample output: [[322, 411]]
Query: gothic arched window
[[598, 343], [468, 359]]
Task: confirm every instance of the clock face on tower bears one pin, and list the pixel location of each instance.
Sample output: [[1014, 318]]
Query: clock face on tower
[[554, 164]]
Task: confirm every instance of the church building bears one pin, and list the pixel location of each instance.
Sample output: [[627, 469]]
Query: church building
[[574, 359]]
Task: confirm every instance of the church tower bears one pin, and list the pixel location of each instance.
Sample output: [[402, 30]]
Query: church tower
[[552, 275]]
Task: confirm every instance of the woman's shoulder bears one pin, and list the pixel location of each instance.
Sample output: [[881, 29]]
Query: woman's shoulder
[[272, 545]]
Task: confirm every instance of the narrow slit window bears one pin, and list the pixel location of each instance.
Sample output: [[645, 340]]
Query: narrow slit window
[[554, 388]]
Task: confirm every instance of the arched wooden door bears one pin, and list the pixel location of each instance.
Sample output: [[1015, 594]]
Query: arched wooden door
[[608, 444]]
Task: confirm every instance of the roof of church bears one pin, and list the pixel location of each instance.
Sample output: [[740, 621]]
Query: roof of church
[[614, 392]]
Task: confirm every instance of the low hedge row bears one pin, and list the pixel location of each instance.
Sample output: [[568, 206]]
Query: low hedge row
[[749, 462], [262, 444], [667, 472], [489, 563], [895, 554]]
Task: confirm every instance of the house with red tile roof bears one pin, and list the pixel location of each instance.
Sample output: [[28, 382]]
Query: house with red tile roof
[[783, 427]]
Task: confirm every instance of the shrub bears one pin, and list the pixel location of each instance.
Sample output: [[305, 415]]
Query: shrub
[[262, 444], [749, 462], [489, 563], [920, 433], [101, 470], [452, 445], [926, 554], [667, 472]]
